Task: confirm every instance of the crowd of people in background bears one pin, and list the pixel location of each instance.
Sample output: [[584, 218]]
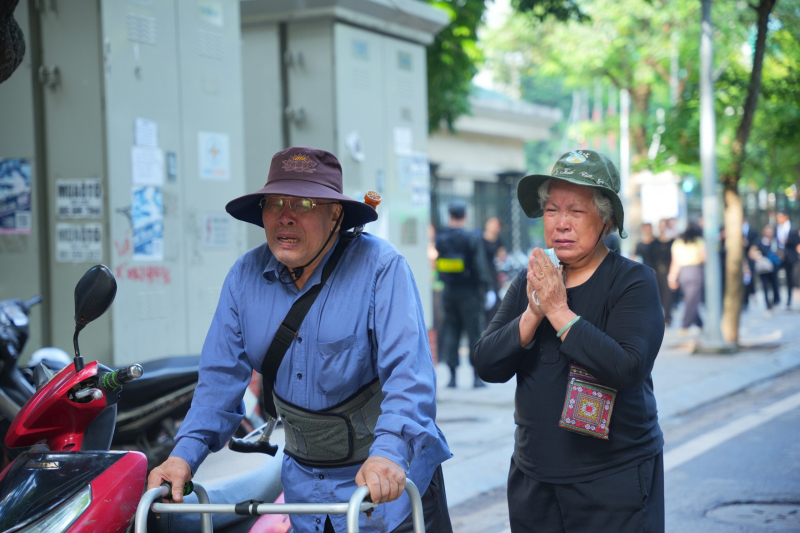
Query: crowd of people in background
[[678, 261]]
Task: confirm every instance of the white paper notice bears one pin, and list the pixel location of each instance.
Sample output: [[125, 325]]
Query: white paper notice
[[413, 169], [214, 156], [147, 218], [146, 133], [216, 231], [79, 243], [147, 166], [403, 141], [79, 198]]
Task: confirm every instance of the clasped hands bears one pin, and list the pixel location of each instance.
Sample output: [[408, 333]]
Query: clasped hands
[[547, 297], [546, 291]]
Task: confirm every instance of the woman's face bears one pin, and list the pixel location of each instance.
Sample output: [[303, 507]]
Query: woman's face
[[571, 223]]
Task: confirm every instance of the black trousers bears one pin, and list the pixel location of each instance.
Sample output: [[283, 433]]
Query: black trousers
[[631, 501], [434, 508], [788, 267], [666, 295], [769, 282], [463, 313]]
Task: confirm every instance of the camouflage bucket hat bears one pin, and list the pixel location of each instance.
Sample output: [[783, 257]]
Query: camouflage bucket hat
[[580, 167]]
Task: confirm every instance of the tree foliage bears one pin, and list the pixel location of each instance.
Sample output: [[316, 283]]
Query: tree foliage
[[455, 56], [453, 60]]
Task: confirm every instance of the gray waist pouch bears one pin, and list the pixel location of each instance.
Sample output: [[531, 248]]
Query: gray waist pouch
[[337, 436]]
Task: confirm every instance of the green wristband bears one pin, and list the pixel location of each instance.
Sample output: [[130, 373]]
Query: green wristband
[[569, 325]]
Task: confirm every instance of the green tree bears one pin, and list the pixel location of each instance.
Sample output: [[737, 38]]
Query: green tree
[[757, 137], [453, 61], [631, 43], [455, 56]]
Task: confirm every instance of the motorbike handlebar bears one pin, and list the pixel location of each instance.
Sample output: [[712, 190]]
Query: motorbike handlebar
[[120, 377], [26, 306]]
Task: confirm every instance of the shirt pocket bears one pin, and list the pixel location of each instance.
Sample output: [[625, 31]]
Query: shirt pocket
[[342, 364]]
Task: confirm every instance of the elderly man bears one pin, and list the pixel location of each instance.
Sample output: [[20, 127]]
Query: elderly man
[[363, 340]]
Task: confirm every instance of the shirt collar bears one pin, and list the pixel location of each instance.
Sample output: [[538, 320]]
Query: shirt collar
[[275, 267]]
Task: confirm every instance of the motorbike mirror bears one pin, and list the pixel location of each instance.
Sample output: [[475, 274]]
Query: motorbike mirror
[[94, 294]]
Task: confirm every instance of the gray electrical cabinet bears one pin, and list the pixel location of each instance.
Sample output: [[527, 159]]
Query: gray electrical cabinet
[[349, 77], [141, 123]]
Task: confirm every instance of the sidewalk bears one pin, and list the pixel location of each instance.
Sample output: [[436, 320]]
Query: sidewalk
[[479, 423]]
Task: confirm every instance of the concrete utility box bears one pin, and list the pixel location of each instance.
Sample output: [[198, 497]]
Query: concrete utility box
[[350, 77], [136, 143]]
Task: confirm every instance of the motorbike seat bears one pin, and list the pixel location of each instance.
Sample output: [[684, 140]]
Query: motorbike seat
[[160, 377]]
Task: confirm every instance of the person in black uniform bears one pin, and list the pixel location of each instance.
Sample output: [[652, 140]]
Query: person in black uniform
[[462, 268], [661, 252], [788, 241], [580, 464]]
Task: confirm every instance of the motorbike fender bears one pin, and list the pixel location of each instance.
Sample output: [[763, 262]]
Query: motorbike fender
[[272, 523], [115, 496]]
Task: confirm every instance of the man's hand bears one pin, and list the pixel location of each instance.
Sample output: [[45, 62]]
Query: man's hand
[[176, 471], [385, 479]]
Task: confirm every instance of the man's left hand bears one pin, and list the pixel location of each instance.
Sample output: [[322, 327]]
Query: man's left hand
[[385, 479]]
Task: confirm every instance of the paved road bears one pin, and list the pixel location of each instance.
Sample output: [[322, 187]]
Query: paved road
[[752, 460], [743, 449]]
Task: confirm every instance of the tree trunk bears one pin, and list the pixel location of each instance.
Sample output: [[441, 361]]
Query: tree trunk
[[732, 300], [734, 289]]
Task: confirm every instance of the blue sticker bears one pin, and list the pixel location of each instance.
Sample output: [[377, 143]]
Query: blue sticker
[[15, 196], [147, 218], [575, 158]]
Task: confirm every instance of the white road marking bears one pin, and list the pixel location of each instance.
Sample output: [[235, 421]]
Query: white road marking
[[700, 445]]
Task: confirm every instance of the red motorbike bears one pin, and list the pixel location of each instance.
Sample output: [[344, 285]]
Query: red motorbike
[[68, 480]]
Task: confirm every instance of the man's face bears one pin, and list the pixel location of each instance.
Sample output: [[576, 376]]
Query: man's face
[[295, 238], [647, 231], [571, 223], [781, 218]]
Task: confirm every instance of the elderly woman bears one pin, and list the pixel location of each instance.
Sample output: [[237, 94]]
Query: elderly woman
[[581, 339]]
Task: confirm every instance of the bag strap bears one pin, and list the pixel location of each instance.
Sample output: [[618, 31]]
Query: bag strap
[[287, 331]]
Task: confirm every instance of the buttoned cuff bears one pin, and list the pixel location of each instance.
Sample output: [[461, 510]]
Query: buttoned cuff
[[192, 451], [393, 448]]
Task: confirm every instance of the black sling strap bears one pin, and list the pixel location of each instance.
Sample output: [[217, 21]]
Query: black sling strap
[[288, 329]]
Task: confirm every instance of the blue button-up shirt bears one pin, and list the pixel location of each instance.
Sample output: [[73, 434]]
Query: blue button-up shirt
[[366, 322]]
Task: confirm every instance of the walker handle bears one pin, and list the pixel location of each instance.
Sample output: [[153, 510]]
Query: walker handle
[[362, 492]]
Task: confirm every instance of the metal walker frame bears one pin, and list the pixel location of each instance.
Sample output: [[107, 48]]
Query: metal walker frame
[[351, 509]]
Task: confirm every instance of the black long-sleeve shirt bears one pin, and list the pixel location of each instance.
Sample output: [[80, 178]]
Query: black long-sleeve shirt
[[616, 340]]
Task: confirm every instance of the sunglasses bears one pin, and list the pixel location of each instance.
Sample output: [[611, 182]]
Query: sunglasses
[[272, 204]]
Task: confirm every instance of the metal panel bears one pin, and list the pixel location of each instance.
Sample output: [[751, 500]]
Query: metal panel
[[261, 86], [405, 76], [361, 110], [210, 70], [19, 254], [141, 81], [74, 140], [310, 49], [380, 86]]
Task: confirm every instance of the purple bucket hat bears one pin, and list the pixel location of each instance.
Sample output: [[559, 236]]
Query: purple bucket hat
[[306, 173]]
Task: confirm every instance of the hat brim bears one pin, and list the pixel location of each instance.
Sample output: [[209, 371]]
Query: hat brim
[[245, 208], [528, 196]]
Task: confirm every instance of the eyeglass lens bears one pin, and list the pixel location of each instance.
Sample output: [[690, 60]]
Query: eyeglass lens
[[298, 205]]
